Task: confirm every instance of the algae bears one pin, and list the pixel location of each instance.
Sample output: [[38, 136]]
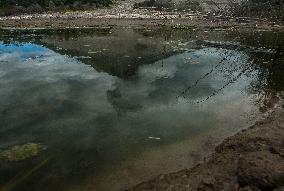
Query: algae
[[21, 152]]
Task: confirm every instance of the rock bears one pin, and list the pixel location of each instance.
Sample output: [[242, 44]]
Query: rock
[[277, 150], [262, 170], [248, 188], [281, 125], [251, 160], [279, 189], [207, 184]]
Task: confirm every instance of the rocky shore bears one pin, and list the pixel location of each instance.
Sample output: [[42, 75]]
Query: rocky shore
[[153, 19], [251, 160], [123, 14]]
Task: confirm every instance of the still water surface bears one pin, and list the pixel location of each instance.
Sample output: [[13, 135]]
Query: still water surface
[[113, 107]]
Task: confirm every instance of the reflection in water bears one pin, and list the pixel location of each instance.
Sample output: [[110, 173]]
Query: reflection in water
[[114, 107]]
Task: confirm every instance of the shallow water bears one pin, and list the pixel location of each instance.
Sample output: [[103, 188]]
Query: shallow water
[[116, 106]]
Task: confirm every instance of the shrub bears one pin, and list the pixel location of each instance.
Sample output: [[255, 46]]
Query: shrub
[[271, 9], [8, 7]]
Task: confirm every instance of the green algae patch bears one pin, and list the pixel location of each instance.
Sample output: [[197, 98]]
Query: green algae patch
[[21, 152]]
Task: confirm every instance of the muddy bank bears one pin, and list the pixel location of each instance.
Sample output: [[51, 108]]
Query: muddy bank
[[251, 160], [90, 19], [123, 14]]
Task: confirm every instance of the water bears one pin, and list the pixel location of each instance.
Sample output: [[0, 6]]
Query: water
[[116, 106]]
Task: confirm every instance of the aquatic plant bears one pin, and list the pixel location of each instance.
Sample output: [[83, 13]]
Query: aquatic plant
[[21, 152]]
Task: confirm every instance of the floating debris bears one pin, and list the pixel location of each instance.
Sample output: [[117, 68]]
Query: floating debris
[[190, 61], [94, 52], [21, 152], [155, 138]]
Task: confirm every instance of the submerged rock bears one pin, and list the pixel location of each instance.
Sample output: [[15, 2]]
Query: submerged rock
[[263, 170]]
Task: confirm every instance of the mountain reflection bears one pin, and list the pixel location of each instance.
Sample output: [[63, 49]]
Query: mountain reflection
[[93, 98]]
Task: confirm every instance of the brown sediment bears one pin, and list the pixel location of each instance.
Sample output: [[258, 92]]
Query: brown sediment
[[250, 160], [124, 14], [89, 20]]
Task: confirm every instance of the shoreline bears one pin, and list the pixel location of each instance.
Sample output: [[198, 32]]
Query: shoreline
[[177, 21], [251, 160]]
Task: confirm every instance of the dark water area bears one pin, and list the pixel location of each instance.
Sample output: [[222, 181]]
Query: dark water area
[[104, 109]]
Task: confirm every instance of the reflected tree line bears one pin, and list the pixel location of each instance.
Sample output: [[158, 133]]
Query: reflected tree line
[[265, 52]]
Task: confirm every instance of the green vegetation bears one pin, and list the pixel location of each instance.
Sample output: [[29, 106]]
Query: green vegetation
[[271, 9], [20, 152], [9, 7], [55, 3], [188, 5]]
